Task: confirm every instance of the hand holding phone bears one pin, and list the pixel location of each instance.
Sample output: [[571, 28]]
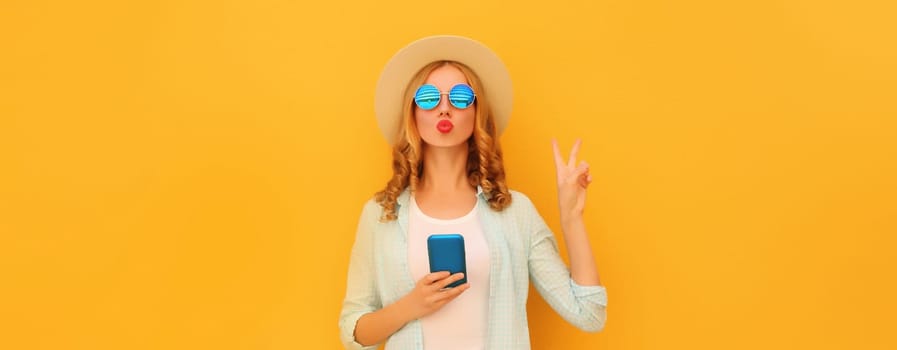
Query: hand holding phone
[[430, 294]]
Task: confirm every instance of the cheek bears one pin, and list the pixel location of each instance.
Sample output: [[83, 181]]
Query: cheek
[[425, 122], [420, 117], [469, 116]]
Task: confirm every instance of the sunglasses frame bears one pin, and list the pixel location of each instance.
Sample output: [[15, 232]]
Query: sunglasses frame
[[448, 93]]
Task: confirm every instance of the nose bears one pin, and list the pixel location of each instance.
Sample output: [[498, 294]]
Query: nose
[[444, 106]]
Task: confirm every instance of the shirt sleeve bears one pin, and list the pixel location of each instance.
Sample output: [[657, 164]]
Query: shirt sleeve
[[582, 306], [361, 293]]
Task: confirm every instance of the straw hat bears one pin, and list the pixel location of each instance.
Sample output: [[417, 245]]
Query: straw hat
[[410, 59]]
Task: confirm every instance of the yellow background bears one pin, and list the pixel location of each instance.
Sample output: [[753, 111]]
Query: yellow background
[[188, 174]]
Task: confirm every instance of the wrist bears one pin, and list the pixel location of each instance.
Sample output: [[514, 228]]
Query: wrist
[[403, 311], [571, 220]]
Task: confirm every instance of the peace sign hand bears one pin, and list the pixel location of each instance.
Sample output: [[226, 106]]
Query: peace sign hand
[[573, 180]]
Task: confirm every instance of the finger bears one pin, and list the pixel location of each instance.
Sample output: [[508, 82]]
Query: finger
[[435, 276], [581, 169], [452, 293], [455, 292], [585, 180], [558, 158], [456, 277], [574, 153]]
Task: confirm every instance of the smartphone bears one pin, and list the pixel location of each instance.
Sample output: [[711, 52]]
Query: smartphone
[[446, 253]]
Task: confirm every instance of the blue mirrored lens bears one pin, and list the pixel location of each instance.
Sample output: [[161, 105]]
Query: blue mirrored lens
[[427, 97], [461, 96]]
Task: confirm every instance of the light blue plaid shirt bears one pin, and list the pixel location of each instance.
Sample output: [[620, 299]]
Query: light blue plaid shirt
[[521, 247]]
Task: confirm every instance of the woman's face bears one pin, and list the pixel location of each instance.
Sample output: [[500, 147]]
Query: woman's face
[[445, 125]]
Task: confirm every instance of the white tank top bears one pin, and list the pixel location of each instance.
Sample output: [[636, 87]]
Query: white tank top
[[462, 323]]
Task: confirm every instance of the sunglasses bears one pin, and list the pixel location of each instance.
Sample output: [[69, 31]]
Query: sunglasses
[[427, 96]]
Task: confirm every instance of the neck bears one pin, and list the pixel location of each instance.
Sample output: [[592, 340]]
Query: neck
[[445, 170]]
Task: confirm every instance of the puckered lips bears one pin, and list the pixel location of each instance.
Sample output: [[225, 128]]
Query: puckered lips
[[444, 126]]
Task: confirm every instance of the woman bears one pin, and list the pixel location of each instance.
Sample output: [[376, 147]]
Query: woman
[[442, 102]]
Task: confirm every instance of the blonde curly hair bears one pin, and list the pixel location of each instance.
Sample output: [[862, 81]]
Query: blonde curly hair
[[484, 158]]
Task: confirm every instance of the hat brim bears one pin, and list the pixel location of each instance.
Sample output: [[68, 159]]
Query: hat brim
[[409, 60]]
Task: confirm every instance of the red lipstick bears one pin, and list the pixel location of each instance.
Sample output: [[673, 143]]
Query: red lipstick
[[444, 126]]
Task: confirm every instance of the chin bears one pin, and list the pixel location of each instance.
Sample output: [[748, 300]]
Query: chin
[[448, 141]]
